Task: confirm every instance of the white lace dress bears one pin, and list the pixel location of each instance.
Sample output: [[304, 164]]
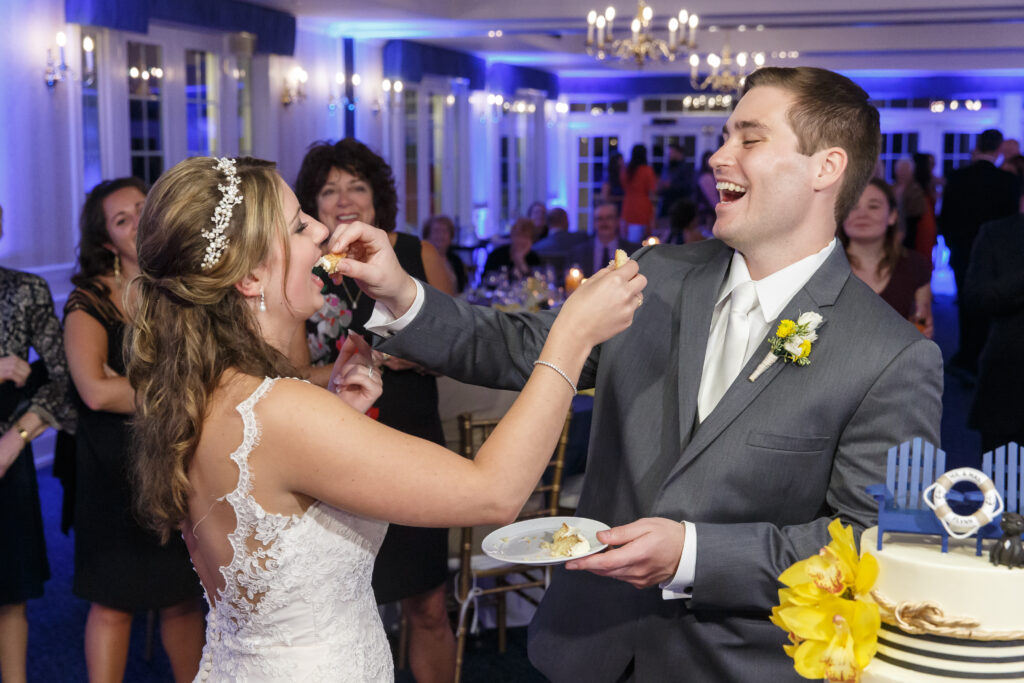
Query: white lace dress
[[297, 603]]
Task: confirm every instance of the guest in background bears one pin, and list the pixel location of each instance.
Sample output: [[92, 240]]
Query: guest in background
[[677, 181], [639, 185], [554, 249], [517, 257], [440, 231], [611, 186], [1015, 165], [538, 213], [344, 183], [707, 192], [974, 194], [901, 276], [594, 254], [995, 286], [683, 225], [1008, 150], [918, 207], [32, 398], [120, 568]]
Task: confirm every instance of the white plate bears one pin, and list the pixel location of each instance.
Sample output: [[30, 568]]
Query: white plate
[[520, 543]]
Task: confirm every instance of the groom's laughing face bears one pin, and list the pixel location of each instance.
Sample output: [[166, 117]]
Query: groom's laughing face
[[764, 183]]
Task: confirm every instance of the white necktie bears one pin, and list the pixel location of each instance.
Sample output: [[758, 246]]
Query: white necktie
[[725, 365]]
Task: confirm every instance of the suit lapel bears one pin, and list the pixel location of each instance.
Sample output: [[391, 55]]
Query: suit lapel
[[819, 295], [696, 305]]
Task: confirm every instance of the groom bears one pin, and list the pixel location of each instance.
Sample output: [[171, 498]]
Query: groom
[[713, 483]]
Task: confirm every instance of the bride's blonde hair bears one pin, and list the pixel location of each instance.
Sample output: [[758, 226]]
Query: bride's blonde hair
[[191, 325]]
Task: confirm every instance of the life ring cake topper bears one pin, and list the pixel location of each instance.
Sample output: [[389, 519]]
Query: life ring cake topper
[[963, 526]]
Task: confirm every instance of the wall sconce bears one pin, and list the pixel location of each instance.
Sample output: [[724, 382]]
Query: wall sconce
[[294, 86], [56, 72], [89, 74]]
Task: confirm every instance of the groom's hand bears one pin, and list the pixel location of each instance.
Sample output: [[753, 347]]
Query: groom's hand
[[645, 553], [372, 263]]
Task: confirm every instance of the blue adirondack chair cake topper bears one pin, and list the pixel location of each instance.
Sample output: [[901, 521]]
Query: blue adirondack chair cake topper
[[917, 493]]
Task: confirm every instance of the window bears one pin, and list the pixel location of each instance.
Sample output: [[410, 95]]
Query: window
[[145, 77], [243, 80], [895, 146], [201, 99], [593, 154], [956, 151], [411, 157]]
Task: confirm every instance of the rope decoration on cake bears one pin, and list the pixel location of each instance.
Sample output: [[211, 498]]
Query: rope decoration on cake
[[927, 617]]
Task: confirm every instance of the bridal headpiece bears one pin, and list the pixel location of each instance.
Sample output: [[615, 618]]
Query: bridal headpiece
[[222, 216]]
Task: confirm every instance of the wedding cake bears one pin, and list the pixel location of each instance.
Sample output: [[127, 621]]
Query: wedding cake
[[963, 617]]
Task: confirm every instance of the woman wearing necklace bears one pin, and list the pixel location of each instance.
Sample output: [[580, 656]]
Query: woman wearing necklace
[[343, 183], [120, 568]]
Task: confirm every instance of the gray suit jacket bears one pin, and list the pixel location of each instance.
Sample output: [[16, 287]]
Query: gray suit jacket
[[760, 477]]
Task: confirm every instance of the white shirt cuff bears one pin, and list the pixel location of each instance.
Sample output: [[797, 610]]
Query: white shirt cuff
[[681, 585], [383, 323]]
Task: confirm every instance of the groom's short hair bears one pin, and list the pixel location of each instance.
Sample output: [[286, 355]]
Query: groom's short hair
[[829, 110]]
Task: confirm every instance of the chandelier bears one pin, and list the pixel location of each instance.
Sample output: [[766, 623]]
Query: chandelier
[[727, 74], [641, 46]]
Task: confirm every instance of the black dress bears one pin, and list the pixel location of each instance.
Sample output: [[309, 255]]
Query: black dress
[[27, 320], [412, 559], [118, 563]]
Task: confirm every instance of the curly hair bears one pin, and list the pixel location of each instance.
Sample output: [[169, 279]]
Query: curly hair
[[191, 325], [93, 257], [353, 157]]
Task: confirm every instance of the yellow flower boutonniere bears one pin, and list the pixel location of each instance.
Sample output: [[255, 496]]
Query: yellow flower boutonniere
[[792, 342], [832, 623]]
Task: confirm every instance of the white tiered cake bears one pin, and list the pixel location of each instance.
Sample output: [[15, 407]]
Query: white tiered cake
[[913, 569]]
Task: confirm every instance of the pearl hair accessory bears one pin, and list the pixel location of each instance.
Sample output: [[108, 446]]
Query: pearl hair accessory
[[222, 216]]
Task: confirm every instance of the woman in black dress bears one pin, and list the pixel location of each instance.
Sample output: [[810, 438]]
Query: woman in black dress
[[32, 398], [343, 183], [120, 567]]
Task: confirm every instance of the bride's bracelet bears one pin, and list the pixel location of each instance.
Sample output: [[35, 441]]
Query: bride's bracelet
[[560, 371]]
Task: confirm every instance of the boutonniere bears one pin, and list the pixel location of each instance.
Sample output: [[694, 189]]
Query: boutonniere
[[792, 342]]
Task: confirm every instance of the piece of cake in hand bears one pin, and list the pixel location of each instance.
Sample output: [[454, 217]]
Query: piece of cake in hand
[[329, 263], [621, 258], [568, 541]]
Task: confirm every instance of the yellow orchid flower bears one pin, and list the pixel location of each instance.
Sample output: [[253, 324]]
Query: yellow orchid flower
[[832, 624], [786, 328]]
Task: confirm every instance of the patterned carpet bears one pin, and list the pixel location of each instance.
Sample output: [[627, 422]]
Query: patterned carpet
[[57, 621]]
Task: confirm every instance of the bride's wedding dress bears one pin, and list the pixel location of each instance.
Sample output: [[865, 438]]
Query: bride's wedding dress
[[297, 603]]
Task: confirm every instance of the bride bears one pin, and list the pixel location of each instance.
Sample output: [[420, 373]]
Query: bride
[[281, 490]]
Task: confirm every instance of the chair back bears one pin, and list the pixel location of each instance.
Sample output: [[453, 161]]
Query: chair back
[[913, 466], [1005, 467], [473, 433]]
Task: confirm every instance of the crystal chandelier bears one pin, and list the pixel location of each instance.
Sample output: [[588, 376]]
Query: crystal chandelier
[[727, 74], [641, 46]]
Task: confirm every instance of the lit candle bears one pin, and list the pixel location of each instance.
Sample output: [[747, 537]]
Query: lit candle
[[88, 46], [600, 31], [694, 61], [636, 29], [609, 14], [692, 22], [651, 241], [673, 26], [62, 40], [591, 20], [573, 279]]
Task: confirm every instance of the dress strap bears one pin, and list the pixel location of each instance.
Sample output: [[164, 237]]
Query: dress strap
[[250, 436]]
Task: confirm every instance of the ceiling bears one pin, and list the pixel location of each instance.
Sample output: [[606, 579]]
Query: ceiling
[[912, 37]]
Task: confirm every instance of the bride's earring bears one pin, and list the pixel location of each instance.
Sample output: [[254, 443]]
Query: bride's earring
[[117, 268], [263, 301]]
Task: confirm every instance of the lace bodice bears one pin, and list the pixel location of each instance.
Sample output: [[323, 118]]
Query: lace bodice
[[297, 603]]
